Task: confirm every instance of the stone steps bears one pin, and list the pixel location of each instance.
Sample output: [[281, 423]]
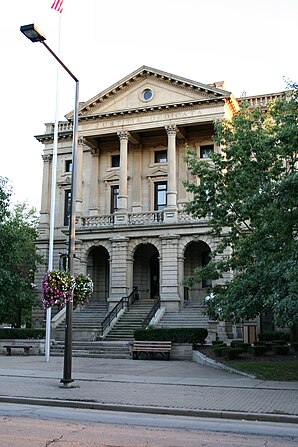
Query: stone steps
[[190, 316]]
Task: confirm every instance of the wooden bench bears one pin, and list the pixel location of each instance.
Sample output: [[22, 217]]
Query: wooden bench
[[151, 349], [25, 347]]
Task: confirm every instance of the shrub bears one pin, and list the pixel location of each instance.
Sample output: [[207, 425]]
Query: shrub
[[22, 333], [217, 342], [294, 345], [175, 335], [240, 345], [257, 351], [218, 349], [231, 353], [279, 342], [273, 335], [280, 349]]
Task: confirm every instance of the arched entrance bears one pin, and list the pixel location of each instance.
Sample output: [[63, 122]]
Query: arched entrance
[[98, 269], [146, 271], [196, 254]]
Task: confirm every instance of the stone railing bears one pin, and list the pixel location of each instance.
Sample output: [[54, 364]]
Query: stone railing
[[137, 219], [145, 218], [104, 220]]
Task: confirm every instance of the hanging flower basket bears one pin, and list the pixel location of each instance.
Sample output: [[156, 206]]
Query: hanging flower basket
[[83, 289], [57, 288]]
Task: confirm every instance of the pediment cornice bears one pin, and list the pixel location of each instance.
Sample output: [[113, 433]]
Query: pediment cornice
[[205, 92]]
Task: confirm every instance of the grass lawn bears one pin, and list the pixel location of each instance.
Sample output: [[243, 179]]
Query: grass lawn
[[285, 370]]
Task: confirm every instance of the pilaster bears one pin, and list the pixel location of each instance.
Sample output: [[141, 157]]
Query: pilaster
[[169, 286]]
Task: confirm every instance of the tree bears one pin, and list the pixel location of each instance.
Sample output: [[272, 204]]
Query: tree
[[250, 193], [18, 261]]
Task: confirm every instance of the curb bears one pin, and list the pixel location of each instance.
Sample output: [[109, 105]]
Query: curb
[[198, 357], [264, 417]]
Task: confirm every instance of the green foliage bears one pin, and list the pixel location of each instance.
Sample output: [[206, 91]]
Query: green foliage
[[274, 335], [175, 335], [257, 351], [295, 345], [230, 353], [18, 262], [240, 345], [18, 333], [249, 192], [218, 349], [280, 349], [83, 289], [5, 193]]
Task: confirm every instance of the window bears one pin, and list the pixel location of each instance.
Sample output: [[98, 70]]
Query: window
[[68, 166], [205, 150], [114, 198], [160, 195], [160, 156], [115, 161], [146, 94], [67, 203]]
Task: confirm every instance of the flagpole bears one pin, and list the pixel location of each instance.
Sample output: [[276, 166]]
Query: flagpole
[[53, 201]]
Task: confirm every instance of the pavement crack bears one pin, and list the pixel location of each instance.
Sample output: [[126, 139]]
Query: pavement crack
[[54, 440]]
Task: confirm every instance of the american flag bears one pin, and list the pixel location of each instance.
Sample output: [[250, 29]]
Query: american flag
[[57, 5]]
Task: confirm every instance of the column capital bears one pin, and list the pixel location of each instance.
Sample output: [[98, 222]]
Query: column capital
[[123, 135], [47, 158], [171, 129]]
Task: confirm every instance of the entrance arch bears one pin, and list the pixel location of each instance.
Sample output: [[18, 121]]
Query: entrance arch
[[146, 271], [196, 254], [98, 270]]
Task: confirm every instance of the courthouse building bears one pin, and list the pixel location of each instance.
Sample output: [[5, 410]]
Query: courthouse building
[[131, 227]]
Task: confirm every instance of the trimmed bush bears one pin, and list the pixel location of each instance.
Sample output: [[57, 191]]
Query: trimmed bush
[[231, 353], [175, 335], [240, 345], [257, 351], [280, 349], [19, 333], [218, 349], [279, 342], [273, 335], [217, 342]]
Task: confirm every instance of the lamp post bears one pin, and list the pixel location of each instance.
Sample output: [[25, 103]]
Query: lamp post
[[32, 33]]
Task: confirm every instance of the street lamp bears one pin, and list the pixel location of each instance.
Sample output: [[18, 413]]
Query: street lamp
[[32, 33]]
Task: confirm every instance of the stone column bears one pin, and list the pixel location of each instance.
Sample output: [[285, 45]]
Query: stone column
[[172, 182], [137, 199], [118, 269], [170, 212], [169, 287], [46, 195], [123, 137], [79, 185], [94, 184]]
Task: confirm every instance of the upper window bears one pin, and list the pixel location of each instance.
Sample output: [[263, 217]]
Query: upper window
[[206, 150], [68, 166], [160, 156], [67, 204], [114, 198], [160, 195], [146, 94], [115, 161]]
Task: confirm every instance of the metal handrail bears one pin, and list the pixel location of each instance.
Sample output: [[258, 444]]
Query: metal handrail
[[125, 301], [151, 313]]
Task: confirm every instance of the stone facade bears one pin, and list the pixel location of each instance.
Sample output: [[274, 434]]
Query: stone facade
[[131, 229]]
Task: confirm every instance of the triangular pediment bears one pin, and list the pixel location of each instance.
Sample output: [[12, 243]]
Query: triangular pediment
[[148, 88], [157, 172]]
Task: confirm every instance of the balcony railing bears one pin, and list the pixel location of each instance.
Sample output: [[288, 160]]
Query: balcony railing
[[139, 219]]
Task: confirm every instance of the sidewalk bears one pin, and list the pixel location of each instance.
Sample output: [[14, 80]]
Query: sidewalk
[[169, 387]]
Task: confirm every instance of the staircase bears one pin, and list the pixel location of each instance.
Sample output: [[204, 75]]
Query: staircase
[[95, 349], [86, 323], [131, 319], [190, 316]]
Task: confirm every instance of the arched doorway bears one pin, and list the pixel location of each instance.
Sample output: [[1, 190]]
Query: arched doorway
[[146, 271], [98, 269], [196, 254]]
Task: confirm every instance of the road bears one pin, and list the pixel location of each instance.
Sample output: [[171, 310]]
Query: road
[[34, 426]]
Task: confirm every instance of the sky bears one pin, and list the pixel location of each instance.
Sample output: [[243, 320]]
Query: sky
[[250, 44]]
